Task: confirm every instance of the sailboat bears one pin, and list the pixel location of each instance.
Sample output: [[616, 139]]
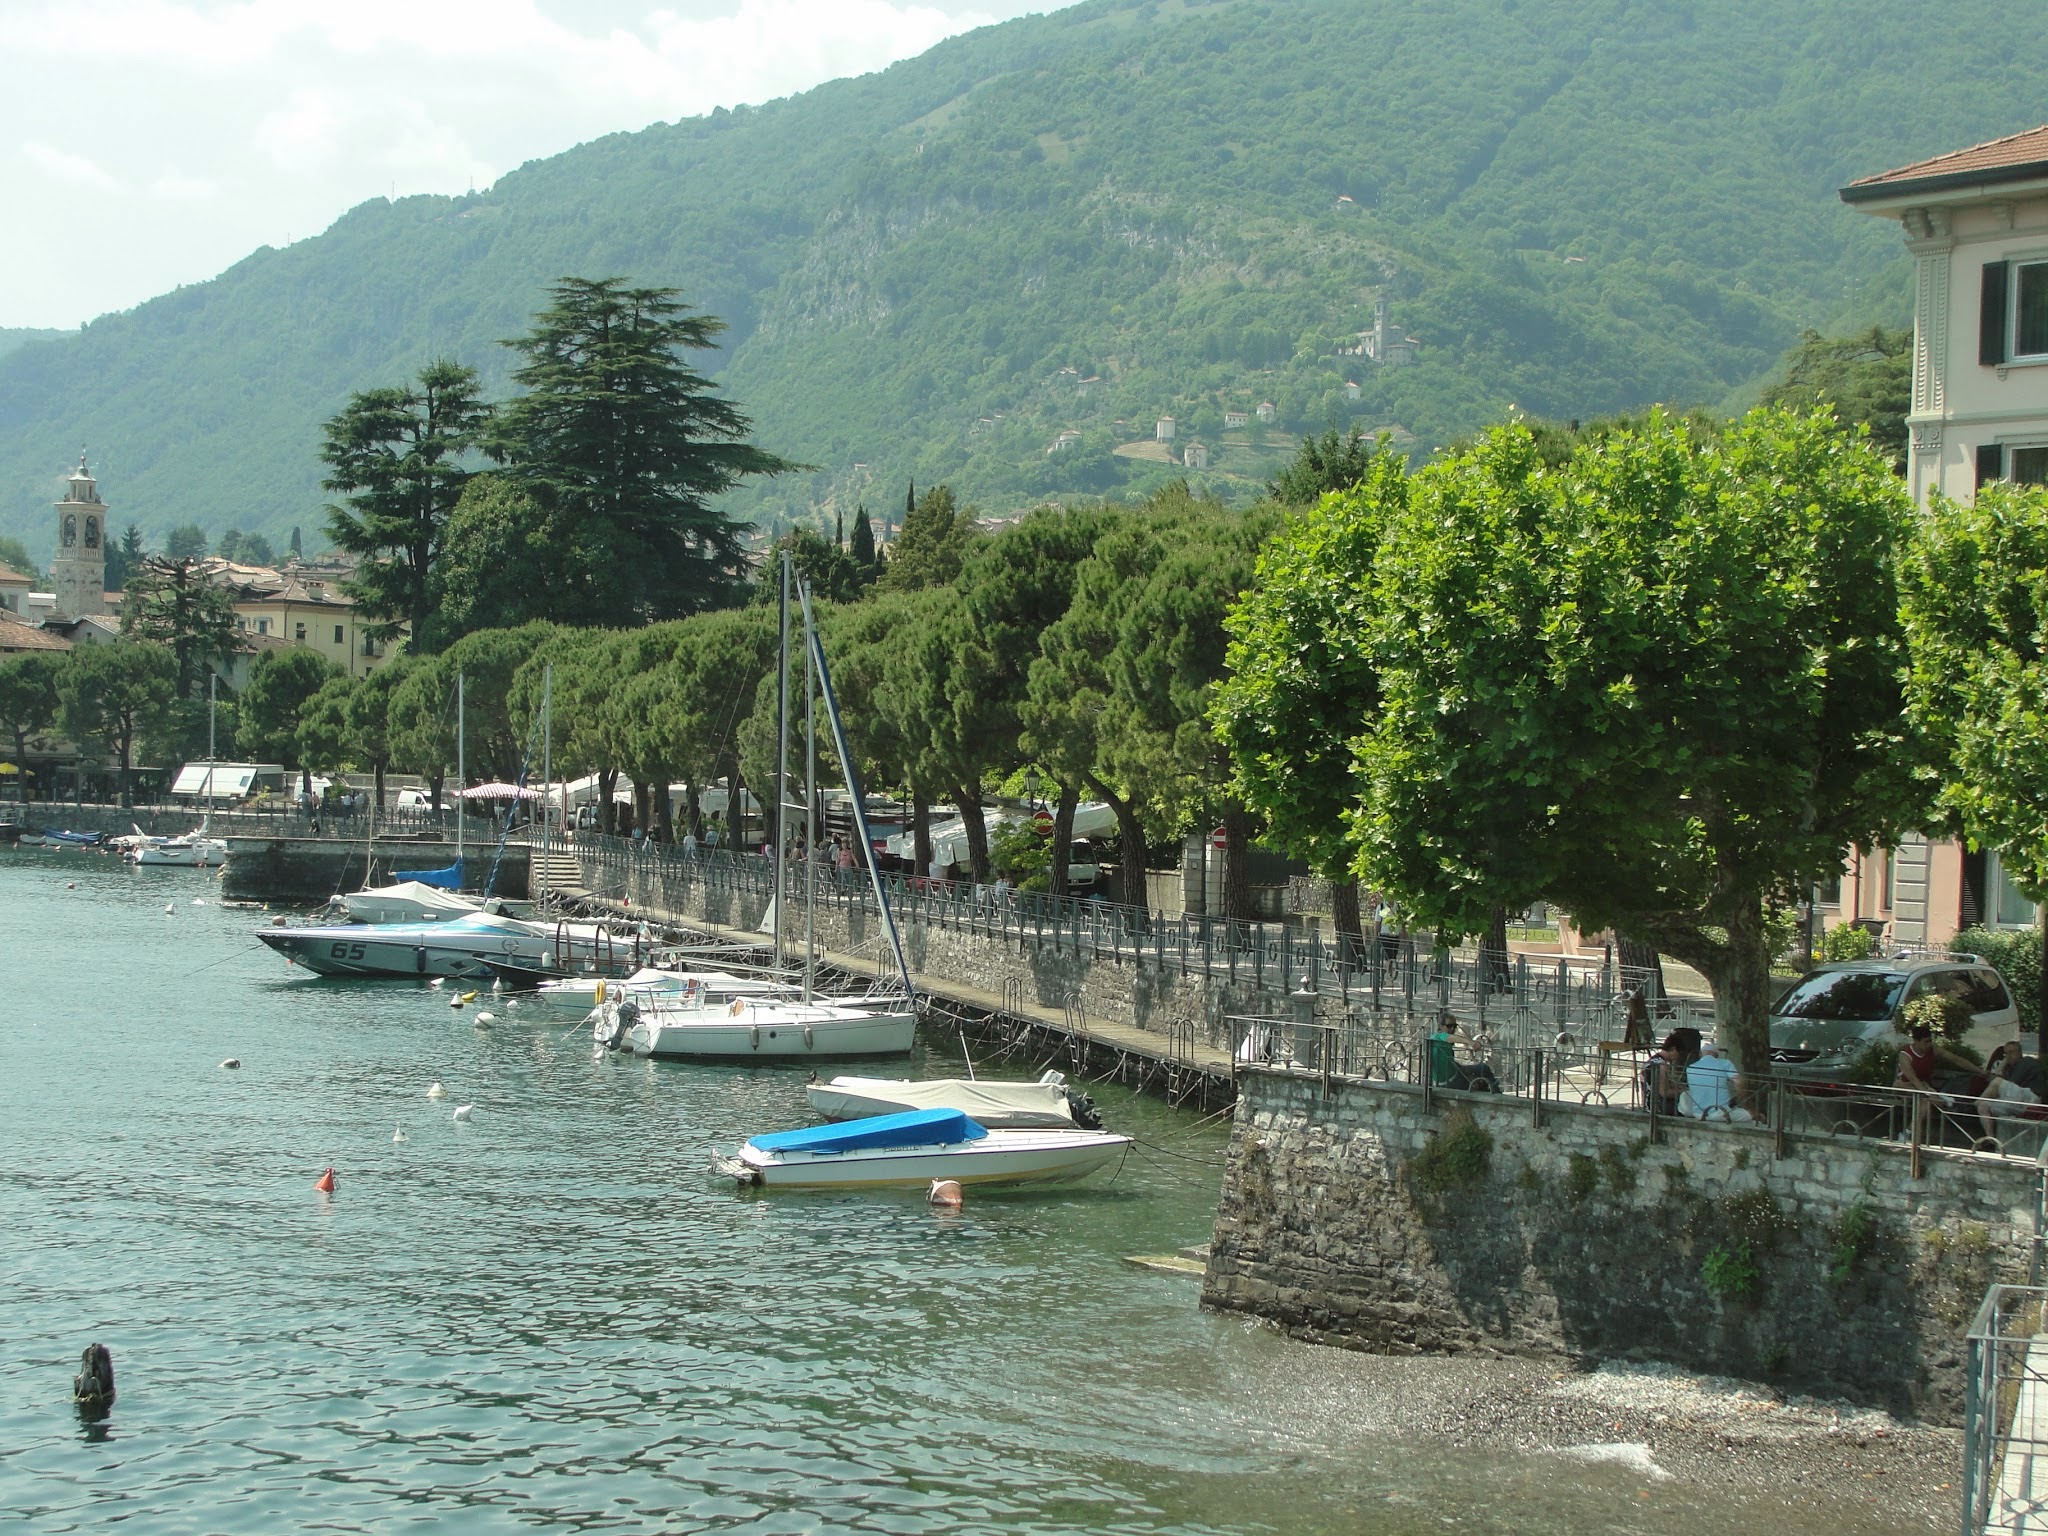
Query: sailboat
[[750, 1028], [422, 895]]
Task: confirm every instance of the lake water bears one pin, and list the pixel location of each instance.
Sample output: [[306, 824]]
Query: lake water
[[552, 1316]]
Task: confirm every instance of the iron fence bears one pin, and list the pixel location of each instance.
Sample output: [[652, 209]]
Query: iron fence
[[2005, 1414], [1519, 1000]]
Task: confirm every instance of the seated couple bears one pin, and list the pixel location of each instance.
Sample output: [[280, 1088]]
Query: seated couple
[[1693, 1077], [2010, 1086]]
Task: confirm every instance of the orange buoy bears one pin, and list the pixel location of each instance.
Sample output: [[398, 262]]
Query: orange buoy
[[946, 1194], [326, 1183]]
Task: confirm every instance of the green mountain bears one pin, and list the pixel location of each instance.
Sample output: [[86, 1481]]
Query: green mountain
[[10, 338], [1083, 222]]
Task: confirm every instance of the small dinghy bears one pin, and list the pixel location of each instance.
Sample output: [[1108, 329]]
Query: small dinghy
[[1047, 1103], [913, 1150]]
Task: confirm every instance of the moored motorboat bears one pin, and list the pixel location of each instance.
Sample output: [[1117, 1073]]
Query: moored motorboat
[[458, 947], [413, 901], [998, 1105], [754, 1028], [913, 1150]]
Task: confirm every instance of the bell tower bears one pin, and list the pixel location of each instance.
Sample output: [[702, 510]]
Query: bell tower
[[78, 574]]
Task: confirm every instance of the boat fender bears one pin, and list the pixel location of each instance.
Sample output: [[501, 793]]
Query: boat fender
[[809, 1042], [92, 1389], [754, 1033], [946, 1194]]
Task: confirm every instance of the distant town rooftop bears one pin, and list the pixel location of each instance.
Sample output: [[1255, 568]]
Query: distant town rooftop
[[2017, 157]]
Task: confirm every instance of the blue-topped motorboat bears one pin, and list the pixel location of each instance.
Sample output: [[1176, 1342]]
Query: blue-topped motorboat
[[917, 1148]]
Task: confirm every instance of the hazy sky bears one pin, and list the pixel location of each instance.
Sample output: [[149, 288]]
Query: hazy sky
[[148, 143]]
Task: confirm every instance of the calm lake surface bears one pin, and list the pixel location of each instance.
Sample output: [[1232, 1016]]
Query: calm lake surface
[[552, 1317]]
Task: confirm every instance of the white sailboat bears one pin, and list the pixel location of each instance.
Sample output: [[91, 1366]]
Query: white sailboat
[[749, 1028], [914, 1150]]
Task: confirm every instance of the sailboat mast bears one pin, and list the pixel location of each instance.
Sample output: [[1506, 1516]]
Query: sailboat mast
[[781, 758], [547, 765], [212, 680], [461, 782], [810, 807], [860, 813]]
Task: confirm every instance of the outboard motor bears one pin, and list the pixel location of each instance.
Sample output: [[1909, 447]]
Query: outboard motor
[[92, 1389], [613, 1020], [1082, 1107]]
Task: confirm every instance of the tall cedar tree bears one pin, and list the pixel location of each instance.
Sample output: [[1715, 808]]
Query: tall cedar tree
[[175, 604], [932, 545], [395, 455], [1867, 379], [861, 543], [628, 445]]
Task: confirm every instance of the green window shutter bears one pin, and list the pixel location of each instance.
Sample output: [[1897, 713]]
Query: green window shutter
[[1992, 325], [1990, 463]]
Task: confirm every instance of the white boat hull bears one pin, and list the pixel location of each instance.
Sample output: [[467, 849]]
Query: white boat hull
[[206, 853], [769, 1032], [363, 953], [997, 1105], [1001, 1157]]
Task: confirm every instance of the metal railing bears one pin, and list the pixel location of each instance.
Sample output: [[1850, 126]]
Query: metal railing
[[1517, 999], [2005, 1414]]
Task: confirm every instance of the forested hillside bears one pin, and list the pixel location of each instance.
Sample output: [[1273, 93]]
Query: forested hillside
[[1082, 222]]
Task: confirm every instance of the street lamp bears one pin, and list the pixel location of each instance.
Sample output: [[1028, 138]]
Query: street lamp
[[1031, 788]]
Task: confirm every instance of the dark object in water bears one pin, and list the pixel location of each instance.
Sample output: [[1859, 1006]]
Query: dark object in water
[[93, 1388]]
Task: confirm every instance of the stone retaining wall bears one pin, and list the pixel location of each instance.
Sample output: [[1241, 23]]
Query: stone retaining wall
[[1370, 1218]]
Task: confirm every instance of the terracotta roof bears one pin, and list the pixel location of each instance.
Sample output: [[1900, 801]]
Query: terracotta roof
[[2017, 157], [17, 636], [14, 578]]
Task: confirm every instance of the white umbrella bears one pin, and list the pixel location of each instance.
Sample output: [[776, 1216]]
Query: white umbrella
[[501, 792]]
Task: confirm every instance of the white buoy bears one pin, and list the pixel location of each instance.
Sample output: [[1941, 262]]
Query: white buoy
[[230, 1065], [485, 1018], [462, 1112], [455, 1001], [398, 1135], [435, 982], [198, 901], [278, 921], [168, 908], [436, 1091]]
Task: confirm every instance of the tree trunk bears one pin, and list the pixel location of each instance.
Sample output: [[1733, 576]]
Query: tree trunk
[[435, 784], [1132, 838], [1063, 840], [977, 833], [1237, 875], [1344, 914], [377, 767], [1740, 974], [643, 804], [693, 810], [1494, 964], [1642, 966], [607, 806], [921, 834], [664, 817]]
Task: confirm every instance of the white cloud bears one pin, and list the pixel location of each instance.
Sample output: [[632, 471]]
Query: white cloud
[[205, 128], [61, 165]]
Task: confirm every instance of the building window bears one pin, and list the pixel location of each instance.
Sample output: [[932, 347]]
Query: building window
[[1828, 892], [337, 634], [263, 626], [300, 634], [2029, 466], [2030, 310], [2008, 908], [1891, 880]]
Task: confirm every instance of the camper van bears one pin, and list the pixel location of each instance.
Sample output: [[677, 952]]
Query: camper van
[[227, 783]]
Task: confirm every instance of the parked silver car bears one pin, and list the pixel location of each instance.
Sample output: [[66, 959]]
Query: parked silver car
[[1836, 1012]]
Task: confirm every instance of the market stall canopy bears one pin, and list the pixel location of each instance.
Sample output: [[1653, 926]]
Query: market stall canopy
[[502, 792]]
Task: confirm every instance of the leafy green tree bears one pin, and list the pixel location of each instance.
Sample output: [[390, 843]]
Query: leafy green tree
[[421, 724], [15, 556], [172, 602], [124, 559], [28, 696], [396, 455], [509, 557], [187, 541], [1867, 380], [630, 446], [501, 737], [835, 576], [112, 696], [932, 545], [245, 548], [347, 724], [282, 684], [1659, 687], [1333, 462], [1975, 599], [860, 544], [1301, 684]]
